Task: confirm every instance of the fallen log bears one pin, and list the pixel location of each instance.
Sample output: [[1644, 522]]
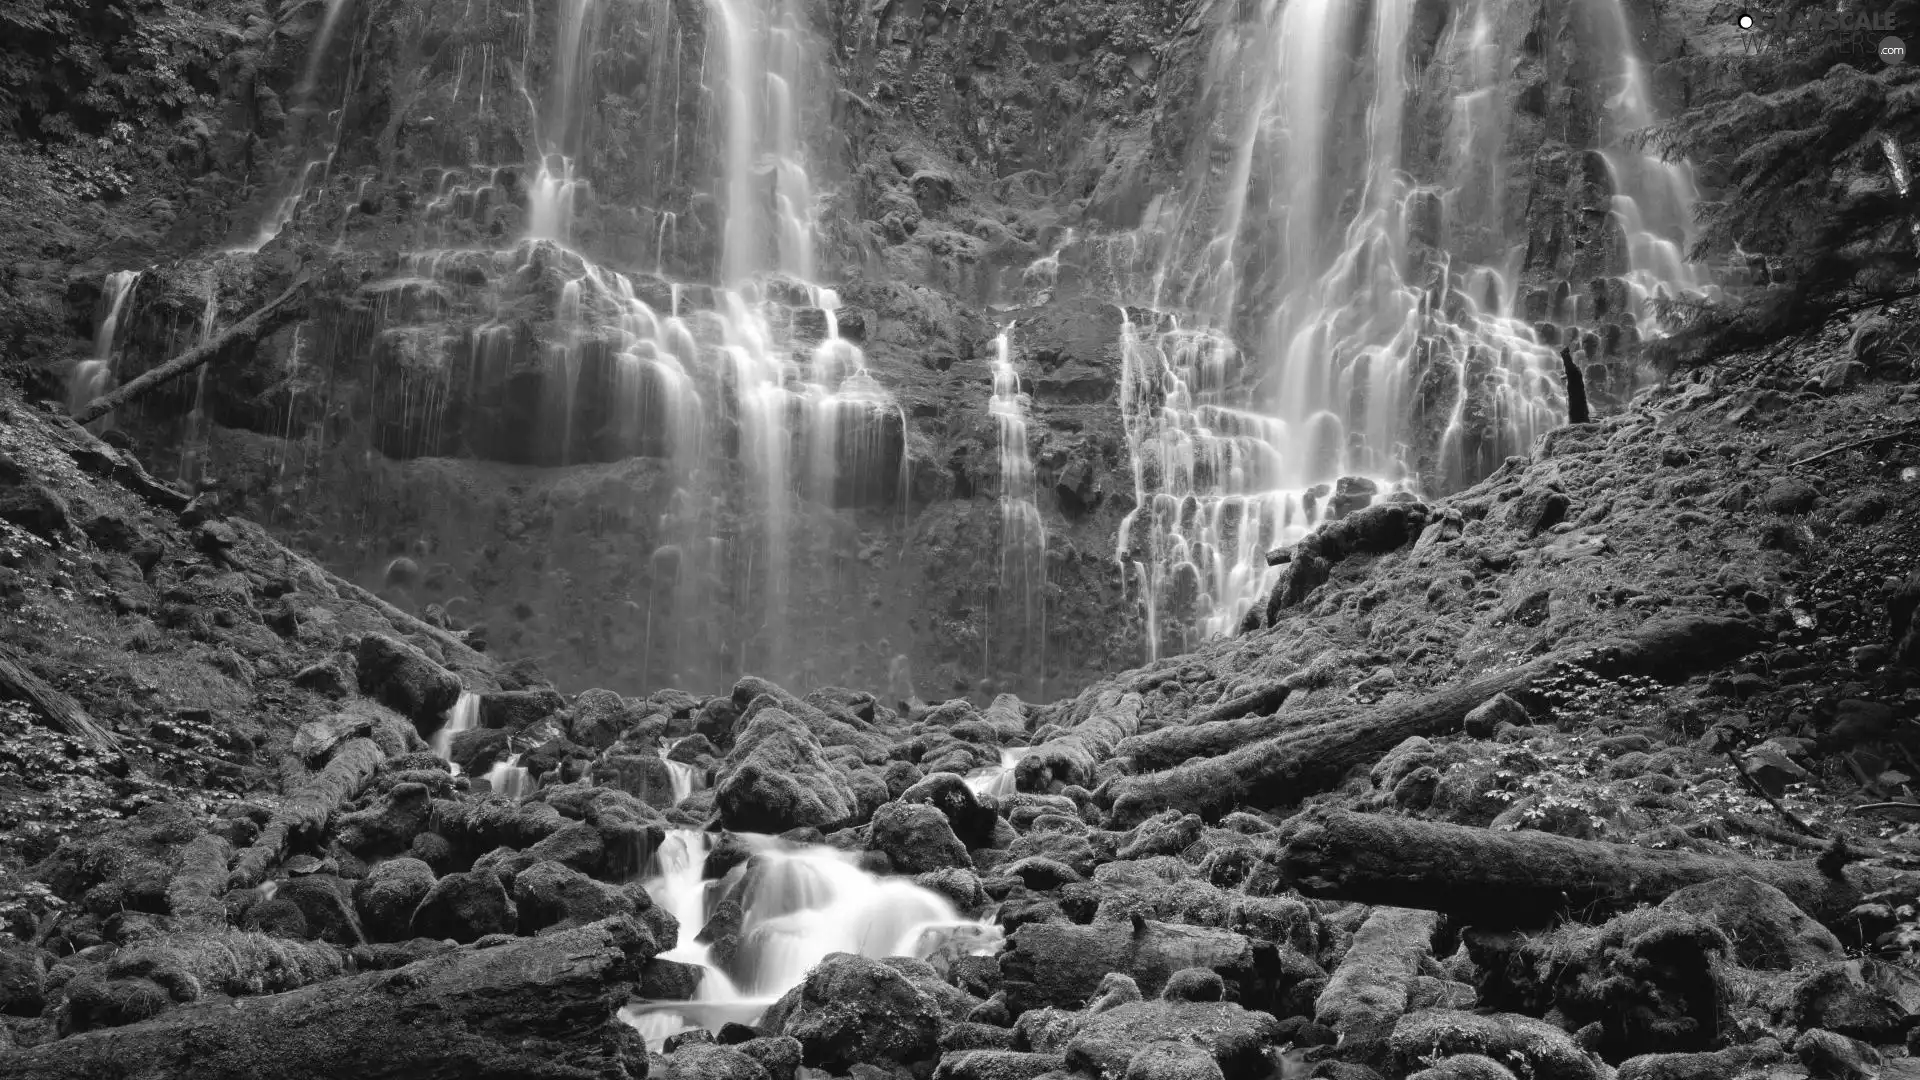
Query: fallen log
[[1370, 988], [289, 306], [61, 712], [108, 463], [1071, 758], [536, 1007], [456, 650], [1491, 878], [305, 812], [1218, 730], [1298, 761], [1064, 964]]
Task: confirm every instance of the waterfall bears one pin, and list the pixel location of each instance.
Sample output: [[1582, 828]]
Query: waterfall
[[799, 903], [1653, 199], [1308, 325], [686, 779], [760, 413], [94, 376], [1023, 535], [996, 780], [507, 777], [463, 716]]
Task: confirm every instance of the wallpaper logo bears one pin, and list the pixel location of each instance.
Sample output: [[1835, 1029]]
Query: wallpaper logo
[[1864, 31]]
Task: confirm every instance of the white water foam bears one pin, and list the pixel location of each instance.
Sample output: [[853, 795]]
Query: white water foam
[[799, 903]]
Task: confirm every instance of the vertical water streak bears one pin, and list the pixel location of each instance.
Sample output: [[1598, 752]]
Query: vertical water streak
[[94, 375], [508, 777], [463, 716], [1023, 534], [1653, 198]]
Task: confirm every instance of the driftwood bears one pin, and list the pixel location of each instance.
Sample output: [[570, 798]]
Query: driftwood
[[537, 1007], [306, 810], [1299, 761], [1491, 878], [289, 306], [59, 711]]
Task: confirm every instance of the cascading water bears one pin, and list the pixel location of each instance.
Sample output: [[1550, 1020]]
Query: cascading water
[[508, 777], [1023, 534], [996, 780], [194, 439], [685, 778], [1308, 325], [798, 904], [463, 716], [1653, 198], [758, 411], [94, 376]]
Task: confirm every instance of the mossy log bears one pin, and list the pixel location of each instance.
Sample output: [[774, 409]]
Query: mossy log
[[305, 812], [1219, 729], [1071, 758], [535, 1008], [1279, 770], [1371, 986], [1491, 878], [59, 711]]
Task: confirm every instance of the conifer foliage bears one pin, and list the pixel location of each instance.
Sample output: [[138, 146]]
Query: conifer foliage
[[1813, 148]]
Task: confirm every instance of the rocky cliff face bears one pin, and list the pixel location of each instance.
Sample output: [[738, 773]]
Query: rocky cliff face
[[476, 416]]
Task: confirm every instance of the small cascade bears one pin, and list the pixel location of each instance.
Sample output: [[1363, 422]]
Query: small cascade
[[1653, 198], [94, 376], [314, 172], [463, 716], [193, 441], [686, 778], [996, 780], [1023, 535], [1043, 273], [799, 903], [317, 51], [507, 777]]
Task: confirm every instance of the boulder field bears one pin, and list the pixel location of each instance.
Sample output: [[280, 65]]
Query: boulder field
[[1598, 769]]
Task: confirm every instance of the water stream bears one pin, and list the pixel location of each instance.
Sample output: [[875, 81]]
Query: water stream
[[799, 903], [510, 778], [1023, 533], [463, 716], [95, 375], [996, 780]]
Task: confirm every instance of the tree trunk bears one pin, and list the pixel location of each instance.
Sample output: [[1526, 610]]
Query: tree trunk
[[1495, 879], [281, 310], [537, 1008], [1299, 761], [60, 711], [1576, 389]]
